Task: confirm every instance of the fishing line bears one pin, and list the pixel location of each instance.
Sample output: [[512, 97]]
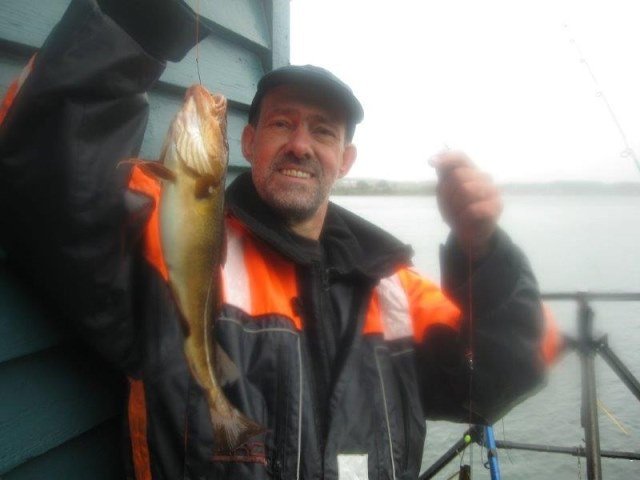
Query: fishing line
[[612, 417], [469, 349], [504, 437], [469, 353], [628, 151], [198, 40], [461, 466], [471, 462]]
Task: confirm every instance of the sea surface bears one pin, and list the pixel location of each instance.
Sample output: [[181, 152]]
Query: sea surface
[[586, 243]]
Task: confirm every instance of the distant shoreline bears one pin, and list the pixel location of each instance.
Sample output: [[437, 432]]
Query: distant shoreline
[[397, 188]]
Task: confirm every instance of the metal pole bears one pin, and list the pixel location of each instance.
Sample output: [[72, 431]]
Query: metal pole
[[467, 437], [492, 453], [619, 367], [586, 348], [593, 296], [589, 405], [575, 451]]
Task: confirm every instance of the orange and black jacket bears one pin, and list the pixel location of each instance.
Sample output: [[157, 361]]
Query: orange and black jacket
[[343, 349]]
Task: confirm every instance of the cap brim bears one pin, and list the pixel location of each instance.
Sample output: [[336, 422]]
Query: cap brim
[[311, 77]]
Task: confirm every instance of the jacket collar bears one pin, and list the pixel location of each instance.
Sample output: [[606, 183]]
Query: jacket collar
[[350, 244]]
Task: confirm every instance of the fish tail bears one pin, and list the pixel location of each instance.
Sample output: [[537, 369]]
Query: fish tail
[[233, 431]]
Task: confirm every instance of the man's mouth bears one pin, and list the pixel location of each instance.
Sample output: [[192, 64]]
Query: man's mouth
[[291, 172]]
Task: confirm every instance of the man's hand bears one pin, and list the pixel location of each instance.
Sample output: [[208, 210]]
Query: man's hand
[[468, 200]]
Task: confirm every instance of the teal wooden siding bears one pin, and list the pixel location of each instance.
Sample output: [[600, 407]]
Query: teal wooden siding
[[60, 407], [55, 396], [250, 37]]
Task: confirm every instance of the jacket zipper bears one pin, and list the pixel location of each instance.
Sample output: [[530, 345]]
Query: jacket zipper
[[314, 314]]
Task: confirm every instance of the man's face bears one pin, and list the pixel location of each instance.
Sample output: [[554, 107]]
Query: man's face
[[297, 151]]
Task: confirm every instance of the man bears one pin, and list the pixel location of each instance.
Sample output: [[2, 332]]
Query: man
[[342, 348]]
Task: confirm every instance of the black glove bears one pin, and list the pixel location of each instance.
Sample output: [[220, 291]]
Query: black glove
[[166, 29]]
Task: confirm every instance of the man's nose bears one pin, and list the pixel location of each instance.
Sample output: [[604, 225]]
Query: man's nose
[[300, 142]]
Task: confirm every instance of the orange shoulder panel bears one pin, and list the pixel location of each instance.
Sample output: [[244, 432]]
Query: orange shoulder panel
[[14, 88], [373, 319], [271, 278], [551, 345], [152, 251], [428, 305], [137, 413]]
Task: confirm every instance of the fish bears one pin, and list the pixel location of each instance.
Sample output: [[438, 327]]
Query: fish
[[192, 170]]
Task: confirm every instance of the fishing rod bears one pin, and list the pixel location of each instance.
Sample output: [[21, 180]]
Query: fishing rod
[[484, 436], [628, 151]]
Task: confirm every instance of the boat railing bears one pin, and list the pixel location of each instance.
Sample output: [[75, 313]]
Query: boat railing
[[586, 346]]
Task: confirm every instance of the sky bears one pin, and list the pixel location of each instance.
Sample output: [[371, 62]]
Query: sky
[[503, 81]]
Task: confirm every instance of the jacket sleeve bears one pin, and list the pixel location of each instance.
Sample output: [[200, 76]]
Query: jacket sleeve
[[477, 370], [67, 223]]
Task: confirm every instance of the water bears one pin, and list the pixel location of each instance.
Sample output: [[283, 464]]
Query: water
[[573, 243]]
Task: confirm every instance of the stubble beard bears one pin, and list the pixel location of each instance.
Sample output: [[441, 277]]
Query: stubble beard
[[294, 203]]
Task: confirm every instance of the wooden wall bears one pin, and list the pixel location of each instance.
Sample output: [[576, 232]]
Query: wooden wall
[[60, 408]]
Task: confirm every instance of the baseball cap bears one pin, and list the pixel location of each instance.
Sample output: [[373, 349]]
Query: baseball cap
[[311, 77]]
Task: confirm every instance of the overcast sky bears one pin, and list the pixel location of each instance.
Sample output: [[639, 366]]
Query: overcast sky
[[501, 80]]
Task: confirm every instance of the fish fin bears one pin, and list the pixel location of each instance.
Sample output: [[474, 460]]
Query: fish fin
[[134, 162], [223, 245], [186, 328], [233, 431], [205, 186], [131, 161], [158, 170], [151, 167], [226, 371]]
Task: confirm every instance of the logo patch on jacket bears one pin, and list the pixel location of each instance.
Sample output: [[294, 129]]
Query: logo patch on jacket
[[353, 466]]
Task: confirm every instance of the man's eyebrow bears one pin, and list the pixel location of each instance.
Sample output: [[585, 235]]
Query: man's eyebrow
[[318, 117]]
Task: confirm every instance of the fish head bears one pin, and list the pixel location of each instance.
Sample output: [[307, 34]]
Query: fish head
[[198, 136]]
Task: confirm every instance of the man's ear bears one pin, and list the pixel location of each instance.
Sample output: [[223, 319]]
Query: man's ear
[[348, 159], [248, 135]]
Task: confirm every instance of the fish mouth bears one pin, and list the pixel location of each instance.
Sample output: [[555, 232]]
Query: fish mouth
[[219, 105], [200, 130], [207, 103], [219, 110]]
